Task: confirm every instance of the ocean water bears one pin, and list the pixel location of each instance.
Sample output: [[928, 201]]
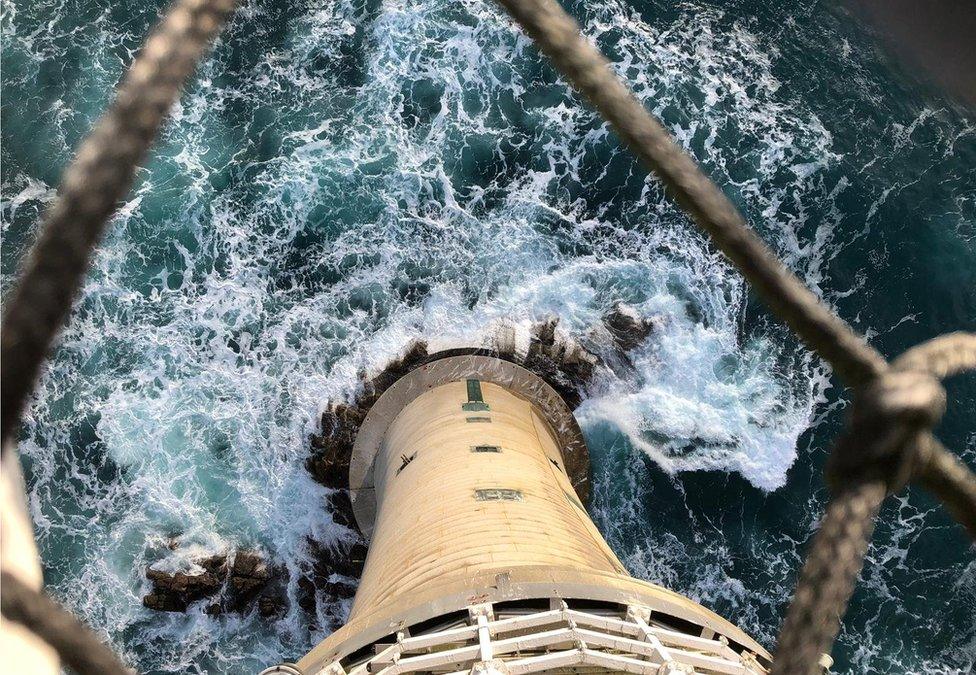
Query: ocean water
[[344, 176]]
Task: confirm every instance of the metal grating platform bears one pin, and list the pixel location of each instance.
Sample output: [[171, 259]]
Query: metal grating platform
[[560, 640]]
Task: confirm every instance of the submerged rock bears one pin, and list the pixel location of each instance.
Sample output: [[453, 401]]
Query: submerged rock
[[271, 605]]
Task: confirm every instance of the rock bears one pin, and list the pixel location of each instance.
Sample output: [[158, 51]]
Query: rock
[[175, 591], [414, 355], [340, 507], [240, 582], [340, 588], [345, 560], [248, 576], [270, 606], [627, 327], [306, 595], [563, 363], [332, 448], [215, 564]]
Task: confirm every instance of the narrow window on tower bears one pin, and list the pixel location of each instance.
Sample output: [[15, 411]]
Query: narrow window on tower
[[498, 495], [476, 401]]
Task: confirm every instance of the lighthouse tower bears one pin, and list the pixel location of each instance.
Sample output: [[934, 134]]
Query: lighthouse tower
[[469, 478]]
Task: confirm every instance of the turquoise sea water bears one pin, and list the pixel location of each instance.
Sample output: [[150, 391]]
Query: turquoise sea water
[[344, 176]]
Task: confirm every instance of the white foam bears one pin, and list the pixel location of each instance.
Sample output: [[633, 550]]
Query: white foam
[[204, 390]]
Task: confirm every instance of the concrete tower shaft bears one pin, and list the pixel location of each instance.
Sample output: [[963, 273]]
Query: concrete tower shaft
[[469, 477], [471, 481]]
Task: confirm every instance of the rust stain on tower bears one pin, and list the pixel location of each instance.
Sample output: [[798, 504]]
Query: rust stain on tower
[[469, 477]]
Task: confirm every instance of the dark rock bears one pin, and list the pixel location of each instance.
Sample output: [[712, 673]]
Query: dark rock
[[564, 364], [340, 507], [306, 594], [346, 560], [215, 564], [340, 588], [270, 606], [241, 582], [248, 576], [332, 447], [414, 355], [163, 602], [627, 327], [175, 591]]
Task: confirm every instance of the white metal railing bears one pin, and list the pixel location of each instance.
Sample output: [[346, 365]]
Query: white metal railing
[[554, 640]]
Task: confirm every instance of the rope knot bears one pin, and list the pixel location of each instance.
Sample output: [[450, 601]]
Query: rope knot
[[887, 421]]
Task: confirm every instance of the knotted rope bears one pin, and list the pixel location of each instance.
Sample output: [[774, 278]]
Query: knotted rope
[[888, 441], [91, 188]]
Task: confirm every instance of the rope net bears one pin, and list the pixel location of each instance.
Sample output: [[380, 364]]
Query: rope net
[[887, 444]]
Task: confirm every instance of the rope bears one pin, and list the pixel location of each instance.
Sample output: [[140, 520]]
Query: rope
[[827, 579], [888, 441], [943, 357], [91, 188], [894, 409], [944, 475], [76, 644], [558, 36]]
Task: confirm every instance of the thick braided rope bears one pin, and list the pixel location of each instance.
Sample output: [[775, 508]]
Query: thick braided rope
[[77, 646], [942, 357], [937, 470], [91, 188], [558, 36], [887, 443], [832, 566], [836, 555], [944, 475]]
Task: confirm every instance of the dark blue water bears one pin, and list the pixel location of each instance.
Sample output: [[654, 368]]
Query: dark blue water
[[344, 176]]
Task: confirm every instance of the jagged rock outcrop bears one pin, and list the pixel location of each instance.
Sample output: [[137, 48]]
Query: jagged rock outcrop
[[332, 447], [562, 362], [175, 591], [249, 575], [234, 586], [334, 572], [627, 327]]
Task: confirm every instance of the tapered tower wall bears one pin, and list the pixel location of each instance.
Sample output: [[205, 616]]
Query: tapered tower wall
[[467, 477]]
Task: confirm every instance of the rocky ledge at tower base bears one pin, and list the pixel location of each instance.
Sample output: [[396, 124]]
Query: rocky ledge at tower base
[[562, 361]]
